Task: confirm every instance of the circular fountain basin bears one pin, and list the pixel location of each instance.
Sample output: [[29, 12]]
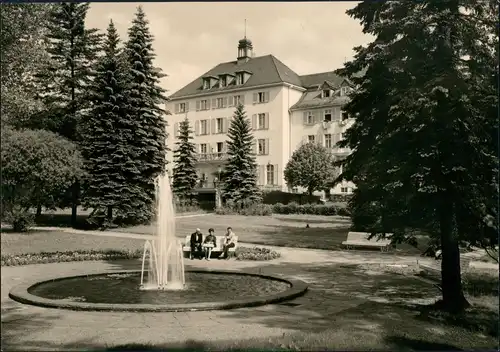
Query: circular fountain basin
[[120, 291]]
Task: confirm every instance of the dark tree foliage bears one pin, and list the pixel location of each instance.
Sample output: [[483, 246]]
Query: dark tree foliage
[[185, 176], [240, 172], [107, 131], [145, 98], [425, 141], [67, 77]]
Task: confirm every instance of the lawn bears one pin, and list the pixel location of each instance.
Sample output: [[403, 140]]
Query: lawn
[[324, 232]]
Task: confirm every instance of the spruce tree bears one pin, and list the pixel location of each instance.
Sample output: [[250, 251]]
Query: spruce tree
[[240, 172], [425, 140], [185, 176], [73, 50], [145, 100], [107, 131]]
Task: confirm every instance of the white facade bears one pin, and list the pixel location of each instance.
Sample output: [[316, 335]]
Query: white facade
[[270, 121], [284, 109]]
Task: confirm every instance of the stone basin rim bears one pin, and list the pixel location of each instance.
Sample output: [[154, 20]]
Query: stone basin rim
[[19, 293]]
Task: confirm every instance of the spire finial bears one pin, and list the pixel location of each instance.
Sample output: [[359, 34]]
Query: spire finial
[[245, 28]]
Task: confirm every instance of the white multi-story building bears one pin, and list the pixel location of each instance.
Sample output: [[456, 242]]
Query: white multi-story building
[[285, 110]]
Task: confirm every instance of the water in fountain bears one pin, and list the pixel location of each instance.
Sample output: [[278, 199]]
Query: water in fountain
[[166, 261]]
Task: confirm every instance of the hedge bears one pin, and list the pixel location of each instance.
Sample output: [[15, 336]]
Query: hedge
[[291, 208], [275, 197]]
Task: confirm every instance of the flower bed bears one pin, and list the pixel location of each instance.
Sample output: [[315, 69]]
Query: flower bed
[[242, 253], [256, 254]]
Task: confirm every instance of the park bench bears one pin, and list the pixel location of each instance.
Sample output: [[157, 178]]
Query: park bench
[[360, 239], [217, 250]]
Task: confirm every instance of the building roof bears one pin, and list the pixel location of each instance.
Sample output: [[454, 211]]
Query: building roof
[[316, 79], [265, 70]]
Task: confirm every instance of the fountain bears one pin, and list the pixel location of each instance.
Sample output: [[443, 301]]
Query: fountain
[[166, 260], [162, 284]]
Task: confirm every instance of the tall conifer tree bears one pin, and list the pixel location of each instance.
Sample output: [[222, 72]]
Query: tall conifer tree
[[107, 133], [425, 139], [145, 98], [240, 173], [185, 176], [73, 50]]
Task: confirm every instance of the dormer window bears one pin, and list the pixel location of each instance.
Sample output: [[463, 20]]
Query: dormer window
[[239, 78], [206, 83], [223, 81], [344, 91], [326, 93]]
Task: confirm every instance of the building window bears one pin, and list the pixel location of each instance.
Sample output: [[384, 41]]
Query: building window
[[219, 125], [239, 78], [261, 121], [344, 189], [270, 174], [182, 107], [328, 141], [311, 138], [203, 127], [328, 115], [262, 147], [344, 115], [261, 97], [223, 81], [342, 136], [326, 93], [220, 147], [344, 91], [204, 104], [203, 148], [206, 84], [220, 103], [310, 118], [237, 100]]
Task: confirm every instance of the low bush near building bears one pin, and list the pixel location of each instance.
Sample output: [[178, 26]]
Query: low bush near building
[[311, 209], [251, 210], [275, 197]]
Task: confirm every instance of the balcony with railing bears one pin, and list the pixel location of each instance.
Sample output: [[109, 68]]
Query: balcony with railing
[[211, 157], [341, 151]]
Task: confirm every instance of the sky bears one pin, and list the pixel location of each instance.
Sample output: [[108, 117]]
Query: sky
[[191, 38]]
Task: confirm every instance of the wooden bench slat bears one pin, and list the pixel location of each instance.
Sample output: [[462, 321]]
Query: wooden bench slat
[[360, 239]]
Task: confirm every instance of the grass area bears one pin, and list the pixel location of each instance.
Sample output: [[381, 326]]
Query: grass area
[[324, 232]]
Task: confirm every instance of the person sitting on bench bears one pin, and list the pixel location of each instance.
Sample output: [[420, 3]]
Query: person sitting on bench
[[209, 244], [228, 243], [195, 244]]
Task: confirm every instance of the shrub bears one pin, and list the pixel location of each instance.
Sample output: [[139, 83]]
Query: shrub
[[187, 208], [274, 197], [310, 209], [20, 219], [37, 168], [256, 209], [340, 198], [256, 254]]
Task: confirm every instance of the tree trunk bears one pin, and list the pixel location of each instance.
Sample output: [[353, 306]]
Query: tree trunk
[[38, 210], [110, 213], [453, 297], [75, 192]]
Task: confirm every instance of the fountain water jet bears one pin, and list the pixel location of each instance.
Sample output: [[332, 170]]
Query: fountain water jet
[[166, 258]]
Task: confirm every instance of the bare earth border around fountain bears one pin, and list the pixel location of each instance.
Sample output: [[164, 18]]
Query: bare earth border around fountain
[[298, 288]]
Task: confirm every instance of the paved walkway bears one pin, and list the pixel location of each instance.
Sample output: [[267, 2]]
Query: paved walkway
[[334, 287], [27, 327]]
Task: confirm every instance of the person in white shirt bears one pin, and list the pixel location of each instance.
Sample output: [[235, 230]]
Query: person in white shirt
[[229, 242]]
